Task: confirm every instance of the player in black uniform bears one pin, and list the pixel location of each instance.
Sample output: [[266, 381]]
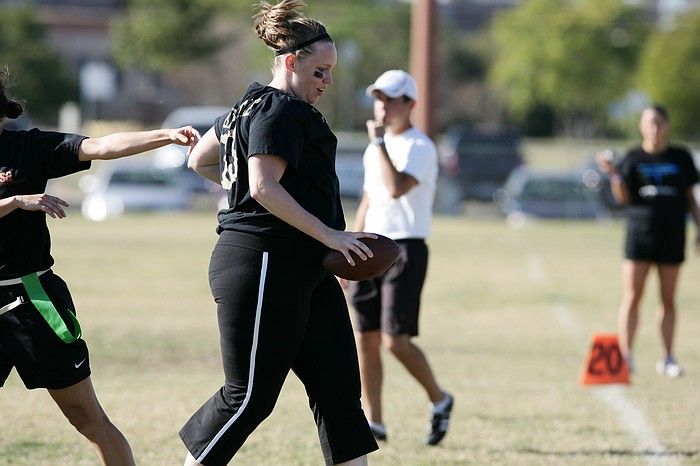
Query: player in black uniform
[[277, 308], [655, 182], [39, 332]]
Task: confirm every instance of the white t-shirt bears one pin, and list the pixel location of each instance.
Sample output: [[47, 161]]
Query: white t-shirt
[[409, 216]]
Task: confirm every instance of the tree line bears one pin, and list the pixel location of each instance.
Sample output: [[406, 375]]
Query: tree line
[[592, 63], [575, 67]]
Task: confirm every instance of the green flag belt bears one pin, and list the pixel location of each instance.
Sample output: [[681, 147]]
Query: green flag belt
[[48, 311]]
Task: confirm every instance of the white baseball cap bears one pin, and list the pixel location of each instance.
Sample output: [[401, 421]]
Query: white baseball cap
[[394, 83]]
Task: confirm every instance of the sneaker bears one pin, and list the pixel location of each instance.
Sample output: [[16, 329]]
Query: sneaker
[[630, 364], [669, 368], [440, 421], [378, 430]]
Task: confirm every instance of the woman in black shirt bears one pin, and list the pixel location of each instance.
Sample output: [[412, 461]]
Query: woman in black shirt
[[39, 333], [277, 308], [655, 182]]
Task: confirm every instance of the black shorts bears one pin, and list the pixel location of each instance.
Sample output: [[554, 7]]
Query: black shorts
[[30, 344], [659, 245], [390, 302]]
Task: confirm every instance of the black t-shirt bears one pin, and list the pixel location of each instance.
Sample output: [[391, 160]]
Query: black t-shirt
[[658, 186], [269, 121], [28, 159]]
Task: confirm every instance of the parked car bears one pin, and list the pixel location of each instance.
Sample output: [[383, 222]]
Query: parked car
[[549, 194], [348, 163], [479, 159], [200, 117], [132, 185]]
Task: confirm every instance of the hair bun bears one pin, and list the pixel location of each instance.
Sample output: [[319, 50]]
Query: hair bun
[[13, 110]]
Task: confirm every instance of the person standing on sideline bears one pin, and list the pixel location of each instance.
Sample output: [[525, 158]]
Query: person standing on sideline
[[277, 308], [400, 166], [39, 333], [655, 183]]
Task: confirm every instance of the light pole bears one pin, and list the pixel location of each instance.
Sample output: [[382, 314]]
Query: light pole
[[423, 61]]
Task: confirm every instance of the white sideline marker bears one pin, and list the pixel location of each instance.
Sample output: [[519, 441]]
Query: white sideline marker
[[632, 419]]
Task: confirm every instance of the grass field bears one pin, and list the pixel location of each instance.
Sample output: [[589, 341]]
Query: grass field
[[506, 324]]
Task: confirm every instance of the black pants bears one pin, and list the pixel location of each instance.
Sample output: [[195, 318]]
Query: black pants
[[279, 310]]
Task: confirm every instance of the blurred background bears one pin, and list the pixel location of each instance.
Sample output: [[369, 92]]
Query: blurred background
[[525, 91]]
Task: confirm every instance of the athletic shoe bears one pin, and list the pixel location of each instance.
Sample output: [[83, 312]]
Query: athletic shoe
[[378, 430], [630, 364], [669, 368], [440, 421]]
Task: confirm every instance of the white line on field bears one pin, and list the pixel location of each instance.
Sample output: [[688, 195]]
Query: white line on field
[[628, 414], [632, 419], [568, 321], [535, 269]]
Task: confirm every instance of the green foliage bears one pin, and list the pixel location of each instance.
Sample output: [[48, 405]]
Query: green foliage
[[462, 58], [37, 73], [361, 25], [183, 33], [573, 57], [159, 35], [670, 73], [380, 35]]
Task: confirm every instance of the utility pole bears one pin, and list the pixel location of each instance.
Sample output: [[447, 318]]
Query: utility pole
[[423, 61]]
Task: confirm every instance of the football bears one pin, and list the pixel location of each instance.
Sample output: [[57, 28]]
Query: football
[[385, 253]]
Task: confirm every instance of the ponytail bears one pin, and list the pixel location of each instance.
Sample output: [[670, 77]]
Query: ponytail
[[8, 108]]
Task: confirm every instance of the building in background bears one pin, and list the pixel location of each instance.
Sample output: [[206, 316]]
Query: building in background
[[80, 31]]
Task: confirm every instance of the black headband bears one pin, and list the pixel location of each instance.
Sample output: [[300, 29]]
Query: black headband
[[306, 43]]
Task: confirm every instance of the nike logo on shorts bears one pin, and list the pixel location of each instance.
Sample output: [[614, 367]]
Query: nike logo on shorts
[[78, 364]]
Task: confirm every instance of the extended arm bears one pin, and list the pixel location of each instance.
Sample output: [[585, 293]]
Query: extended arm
[[204, 157], [265, 172], [47, 203], [118, 145]]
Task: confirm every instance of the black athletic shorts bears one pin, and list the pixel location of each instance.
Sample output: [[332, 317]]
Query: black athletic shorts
[[31, 345], [390, 302], [660, 244]]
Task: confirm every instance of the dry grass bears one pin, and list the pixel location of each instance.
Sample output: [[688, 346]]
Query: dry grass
[[491, 328]]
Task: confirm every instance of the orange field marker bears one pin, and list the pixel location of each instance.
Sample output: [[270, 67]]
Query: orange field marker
[[605, 363]]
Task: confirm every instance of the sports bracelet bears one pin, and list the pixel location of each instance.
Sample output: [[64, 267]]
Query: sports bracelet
[[379, 141]]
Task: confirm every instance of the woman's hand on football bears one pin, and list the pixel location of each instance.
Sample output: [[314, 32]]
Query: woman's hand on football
[[346, 241]]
